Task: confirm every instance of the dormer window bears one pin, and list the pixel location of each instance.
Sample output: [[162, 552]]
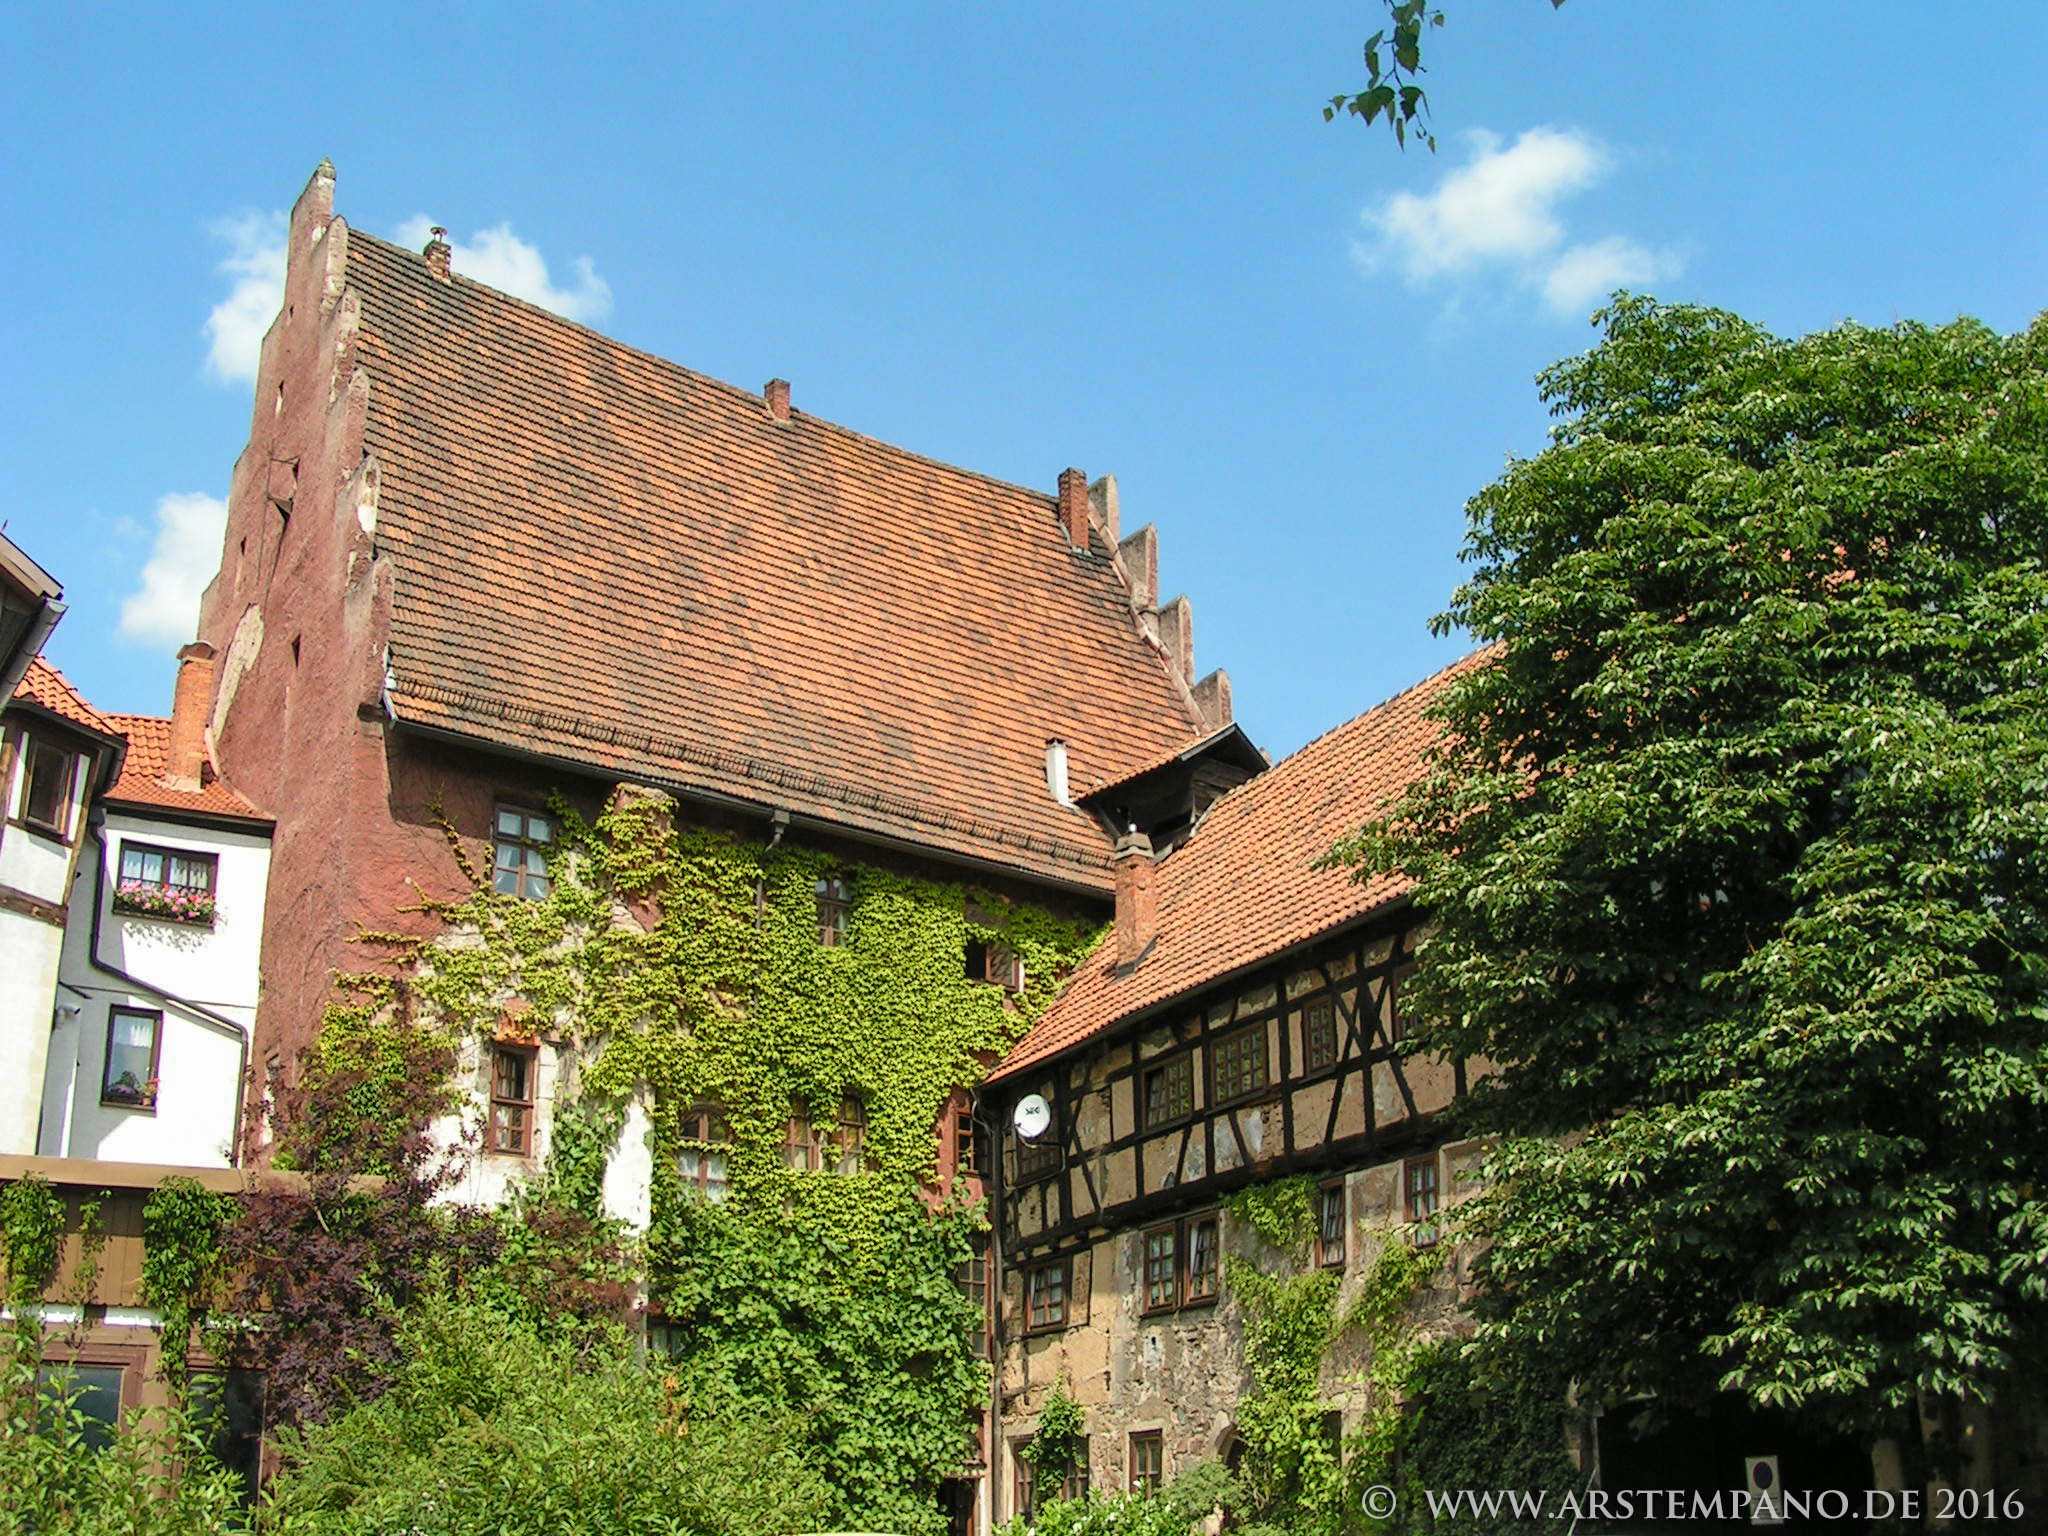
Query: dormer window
[[519, 853]]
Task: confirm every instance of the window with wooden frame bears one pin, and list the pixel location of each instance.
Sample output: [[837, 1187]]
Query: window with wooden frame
[[173, 883], [973, 1277], [993, 963], [1421, 1200], [1319, 1033], [801, 1148], [1169, 1090], [48, 776], [512, 1092], [967, 1145], [1023, 1484], [519, 852], [1146, 1463], [1038, 1159], [1180, 1263], [835, 902], [1397, 1014], [1075, 1484], [97, 1394], [702, 1159], [135, 1042], [1332, 1226], [1237, 1064], [1046, 1290], [850, 1136]]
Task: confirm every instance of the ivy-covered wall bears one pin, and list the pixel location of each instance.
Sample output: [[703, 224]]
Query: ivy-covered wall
[[674, 966]]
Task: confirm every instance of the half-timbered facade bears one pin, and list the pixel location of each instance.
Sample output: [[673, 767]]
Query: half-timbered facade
[[1244, 1024]]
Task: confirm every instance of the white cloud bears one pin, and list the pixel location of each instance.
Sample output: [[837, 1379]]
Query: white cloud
[[1581, 277], [255, 266], [164, 609], [501, 259], [1498, 213]]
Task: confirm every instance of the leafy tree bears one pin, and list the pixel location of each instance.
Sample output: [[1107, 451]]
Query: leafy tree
[[1393, 60], [1736, 844]]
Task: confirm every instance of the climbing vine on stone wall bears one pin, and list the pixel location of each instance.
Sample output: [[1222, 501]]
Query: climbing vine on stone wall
[[682, 969]]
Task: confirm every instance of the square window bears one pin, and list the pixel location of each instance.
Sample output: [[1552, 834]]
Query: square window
[[512, 1096], [46, 788], [170, 883], [835, 901], [1170, 1090], [996, 964], [1037, 1159], [134, 1047], [95, 1394], [1147, 1460], [1319, 1034], [1331, 1226], [1046, 1287], [519, 853], [1240, 1064], [1180, 1263], [1421, 1198]]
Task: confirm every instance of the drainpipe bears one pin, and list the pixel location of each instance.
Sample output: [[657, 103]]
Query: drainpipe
[[997, 1444], [94, 823]]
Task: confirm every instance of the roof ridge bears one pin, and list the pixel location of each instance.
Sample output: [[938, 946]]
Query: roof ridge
[[738, 392]]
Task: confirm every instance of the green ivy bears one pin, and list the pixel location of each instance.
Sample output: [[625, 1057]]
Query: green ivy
[[181, 1232], [1062, 1431], [683, 965], [32, 1232]]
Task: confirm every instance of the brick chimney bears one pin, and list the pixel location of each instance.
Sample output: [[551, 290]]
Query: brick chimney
[[438, 253], [776, 393], [1074, 507], [185, 761], [1137, 912]]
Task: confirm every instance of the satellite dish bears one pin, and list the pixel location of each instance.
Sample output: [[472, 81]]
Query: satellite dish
[[1032, 1117]]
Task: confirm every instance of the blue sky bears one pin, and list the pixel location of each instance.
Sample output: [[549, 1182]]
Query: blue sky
[[1014, 237]]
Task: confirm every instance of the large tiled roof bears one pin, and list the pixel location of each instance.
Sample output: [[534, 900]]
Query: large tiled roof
[[141, 781], [45, 686], [605, 558], [1244, 888]]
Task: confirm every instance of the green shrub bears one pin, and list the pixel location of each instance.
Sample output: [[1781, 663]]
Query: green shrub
[[490, 1429]]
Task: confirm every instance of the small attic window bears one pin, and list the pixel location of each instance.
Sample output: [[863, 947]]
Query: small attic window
[[993, 963]]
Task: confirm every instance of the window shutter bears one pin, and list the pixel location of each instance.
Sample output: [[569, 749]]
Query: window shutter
[[1083, 1284]]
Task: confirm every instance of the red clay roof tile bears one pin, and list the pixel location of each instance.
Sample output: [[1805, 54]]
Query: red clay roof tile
[[44, 685], [141, 780], [1244, 888], [608, 559]]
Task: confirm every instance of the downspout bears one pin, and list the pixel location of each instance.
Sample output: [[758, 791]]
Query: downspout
[[997, 1444], [94, 823]]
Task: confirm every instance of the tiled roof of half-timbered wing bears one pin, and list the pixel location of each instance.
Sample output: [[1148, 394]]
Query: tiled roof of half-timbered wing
[[607, 559], [1244, 888]]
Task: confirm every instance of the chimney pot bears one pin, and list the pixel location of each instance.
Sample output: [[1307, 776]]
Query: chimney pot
[[1137, 909], [185, 760], [776, 393], [438, 253], [1074, 507]]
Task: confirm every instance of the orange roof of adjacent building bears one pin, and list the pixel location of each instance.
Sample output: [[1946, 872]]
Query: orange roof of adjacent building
[[141, 781], [1244, 888], [611, 561], [44, 685]]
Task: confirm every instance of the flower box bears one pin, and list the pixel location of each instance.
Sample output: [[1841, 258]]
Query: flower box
[[172, 903]]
